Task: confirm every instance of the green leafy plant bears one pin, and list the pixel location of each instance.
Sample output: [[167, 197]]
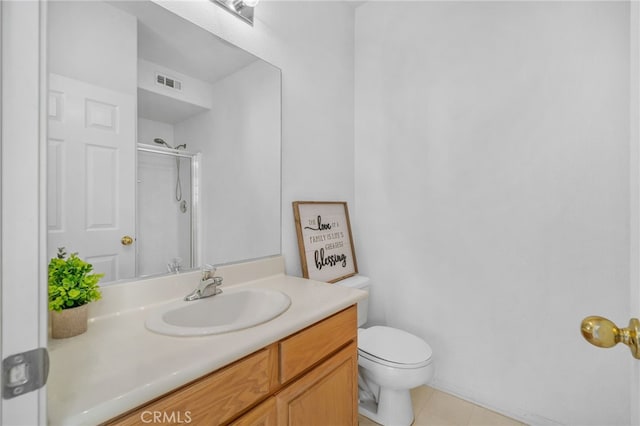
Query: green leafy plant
[[71, 282]]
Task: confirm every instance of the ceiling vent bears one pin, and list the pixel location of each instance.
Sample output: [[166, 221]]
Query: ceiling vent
[[169, 82]]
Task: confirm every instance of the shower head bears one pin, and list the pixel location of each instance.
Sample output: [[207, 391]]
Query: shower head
[[183, 146], [162, 142]]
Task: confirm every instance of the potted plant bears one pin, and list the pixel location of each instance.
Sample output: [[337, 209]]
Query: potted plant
[[71, 287]]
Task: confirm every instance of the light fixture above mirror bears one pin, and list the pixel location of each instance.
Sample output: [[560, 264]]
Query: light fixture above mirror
[[243, 9]]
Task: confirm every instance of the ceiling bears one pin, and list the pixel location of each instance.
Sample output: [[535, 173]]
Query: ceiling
[[168, 40]]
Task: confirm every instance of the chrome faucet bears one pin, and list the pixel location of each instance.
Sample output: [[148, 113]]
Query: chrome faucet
[[208, 286]]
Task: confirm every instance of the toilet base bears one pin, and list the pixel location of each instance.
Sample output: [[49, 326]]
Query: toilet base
[[394, 408]]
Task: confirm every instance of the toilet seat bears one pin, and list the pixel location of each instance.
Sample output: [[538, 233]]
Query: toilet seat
[[394, 348], [380, 361]]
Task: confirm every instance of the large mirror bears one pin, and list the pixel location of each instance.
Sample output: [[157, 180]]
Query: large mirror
[[164, 142]]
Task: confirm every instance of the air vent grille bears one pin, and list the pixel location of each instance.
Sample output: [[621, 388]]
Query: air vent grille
[[169, 82]]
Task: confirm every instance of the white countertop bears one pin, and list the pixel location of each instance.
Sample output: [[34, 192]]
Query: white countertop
[[118, 364]]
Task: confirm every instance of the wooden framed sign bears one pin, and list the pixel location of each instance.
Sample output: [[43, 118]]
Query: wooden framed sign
[[324, 240]]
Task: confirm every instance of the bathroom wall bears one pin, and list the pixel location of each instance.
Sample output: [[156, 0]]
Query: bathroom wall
[[239, 139], [148, 130], [107, 32], [312, 43], [193, 91], [492, 191]]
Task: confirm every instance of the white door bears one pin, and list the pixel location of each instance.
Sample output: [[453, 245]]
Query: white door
[[91, 175]]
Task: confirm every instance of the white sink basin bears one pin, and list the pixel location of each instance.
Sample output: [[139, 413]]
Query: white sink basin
[[232, 310]]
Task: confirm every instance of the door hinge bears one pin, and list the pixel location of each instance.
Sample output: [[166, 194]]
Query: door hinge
[[24, 372]]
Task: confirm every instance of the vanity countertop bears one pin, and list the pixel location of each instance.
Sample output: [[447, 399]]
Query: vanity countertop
[[118, 364]]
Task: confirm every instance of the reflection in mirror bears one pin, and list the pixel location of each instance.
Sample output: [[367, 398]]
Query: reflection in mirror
[[164, 142], [167, 200]]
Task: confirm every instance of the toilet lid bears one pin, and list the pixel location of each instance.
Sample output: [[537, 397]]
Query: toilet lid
[[393, 345]]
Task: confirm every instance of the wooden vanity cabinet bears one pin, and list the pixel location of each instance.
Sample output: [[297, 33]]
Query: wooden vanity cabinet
[[308, 378], [215, 398]]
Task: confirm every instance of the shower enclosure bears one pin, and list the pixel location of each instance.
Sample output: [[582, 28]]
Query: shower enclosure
[[167, 209]]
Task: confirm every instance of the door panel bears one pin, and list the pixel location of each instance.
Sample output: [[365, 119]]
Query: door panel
[[92, 175]]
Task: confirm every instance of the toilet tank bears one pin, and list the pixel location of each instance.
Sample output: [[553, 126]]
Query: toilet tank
[[362, 283]]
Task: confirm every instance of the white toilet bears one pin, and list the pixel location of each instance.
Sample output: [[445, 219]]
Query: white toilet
[[391, 362]]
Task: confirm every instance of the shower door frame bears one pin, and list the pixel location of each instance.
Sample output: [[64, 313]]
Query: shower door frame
[[196, 216]]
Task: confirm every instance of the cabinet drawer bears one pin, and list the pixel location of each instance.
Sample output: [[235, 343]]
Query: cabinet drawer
[[313, 344], [218, 397], [263, 415]]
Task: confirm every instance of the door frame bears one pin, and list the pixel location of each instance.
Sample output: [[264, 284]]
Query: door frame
[[23, 278], [634, 198]]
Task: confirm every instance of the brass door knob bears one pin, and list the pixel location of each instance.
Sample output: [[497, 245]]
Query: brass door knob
[[603, 333], [126, 240]]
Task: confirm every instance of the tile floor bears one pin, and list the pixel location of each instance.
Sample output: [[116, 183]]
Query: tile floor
[[432, 407]]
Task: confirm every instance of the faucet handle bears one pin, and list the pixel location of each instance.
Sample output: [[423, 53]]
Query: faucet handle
[[208, 271], [175, 265]]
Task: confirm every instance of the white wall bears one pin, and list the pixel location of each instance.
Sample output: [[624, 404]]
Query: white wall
[[104, 56], [312, 43], [492, 190], [193, 91], [148, 130], [239, 139]]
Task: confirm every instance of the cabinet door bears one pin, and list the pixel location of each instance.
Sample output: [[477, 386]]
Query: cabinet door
[[327, 395], [263, 415]]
